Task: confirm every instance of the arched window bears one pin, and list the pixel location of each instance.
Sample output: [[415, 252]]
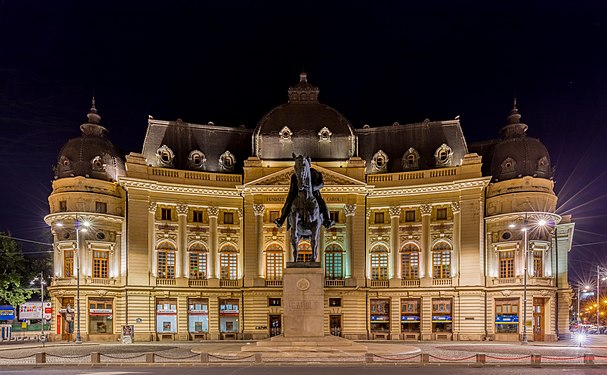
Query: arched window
[[304, 252], [441, 260], [166, 260], [409, 258], [410, 159], [379, 262], [228, 263], [443, 156], [227, 160], [334, 262], [379, 163], [198, 261], [197, 160], [165, 156], [274, 262]]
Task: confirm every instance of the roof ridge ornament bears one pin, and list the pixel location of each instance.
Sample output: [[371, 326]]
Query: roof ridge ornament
[[514, 127], [93, 117]]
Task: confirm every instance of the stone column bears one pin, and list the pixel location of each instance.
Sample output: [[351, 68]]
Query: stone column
[[213, 213], [152, 238], [455, 258], [259, 210], [426, 211], [394, 263], [349, 210], [181, 258]]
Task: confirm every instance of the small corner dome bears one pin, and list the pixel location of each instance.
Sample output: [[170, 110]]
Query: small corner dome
[[92, 154], [517, 155], [305, 118]]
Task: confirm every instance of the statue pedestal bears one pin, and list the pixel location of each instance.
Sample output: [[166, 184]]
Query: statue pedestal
[[303, 298]]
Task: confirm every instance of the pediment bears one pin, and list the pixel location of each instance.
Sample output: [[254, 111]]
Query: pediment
[[283, 178]]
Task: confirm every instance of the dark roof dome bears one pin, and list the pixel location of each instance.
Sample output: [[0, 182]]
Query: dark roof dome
[[517, 155], [304, 126], [92, 154]]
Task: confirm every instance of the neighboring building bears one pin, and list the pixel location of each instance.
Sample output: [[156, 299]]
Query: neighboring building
[[182, 243]]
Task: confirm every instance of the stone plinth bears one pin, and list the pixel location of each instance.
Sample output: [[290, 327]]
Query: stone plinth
[[303, 298]]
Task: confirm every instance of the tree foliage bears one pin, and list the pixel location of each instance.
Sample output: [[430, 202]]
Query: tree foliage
[[14, 288]]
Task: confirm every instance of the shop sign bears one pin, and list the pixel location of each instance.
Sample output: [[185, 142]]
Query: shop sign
[[409, 318], [7, 312], [380, 318], [506, 319], [441, 318], [100, 312]]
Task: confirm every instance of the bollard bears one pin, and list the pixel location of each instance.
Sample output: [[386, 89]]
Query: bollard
[[95, 357], [536, 359], [589, 359], [481, 359], [149, 357], [41, 357], [257, 357], [369, 357], [204, 357], [425, 358]]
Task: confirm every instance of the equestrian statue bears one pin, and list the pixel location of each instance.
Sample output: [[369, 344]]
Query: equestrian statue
[[305, 210]]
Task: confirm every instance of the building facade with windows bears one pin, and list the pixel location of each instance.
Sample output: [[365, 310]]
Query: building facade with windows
[[432, 238]]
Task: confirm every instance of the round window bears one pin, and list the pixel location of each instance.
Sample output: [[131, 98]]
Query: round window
[[101, 236], [506, 235], [66, 235]]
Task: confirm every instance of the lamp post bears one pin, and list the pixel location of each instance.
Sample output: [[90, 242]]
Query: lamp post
[[42, 282], [77, 226]]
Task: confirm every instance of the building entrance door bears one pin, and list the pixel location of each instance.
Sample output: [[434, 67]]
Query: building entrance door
[[275, 325], [538, 319], [66, 324], [335, 325]]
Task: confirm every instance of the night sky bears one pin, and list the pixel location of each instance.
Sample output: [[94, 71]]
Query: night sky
[[375, 62]]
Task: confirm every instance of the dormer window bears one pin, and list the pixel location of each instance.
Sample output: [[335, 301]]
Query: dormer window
[[325, 135], [285, 134], [411, 159], [165, 156], [508, 166], [227, 162], [197, 160], [97, 163], [65, 162], [379, 163], [543, 166], [443, 156]]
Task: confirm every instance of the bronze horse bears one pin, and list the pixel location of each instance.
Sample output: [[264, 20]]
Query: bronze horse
[[305, 218]]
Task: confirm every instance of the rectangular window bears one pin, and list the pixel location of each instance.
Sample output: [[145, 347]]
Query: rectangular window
[[333, 265], [441, 214], [166, 315], [166, 264], [379, 218], [334, 216], [228, 218], [410, 216], [198, 315], [197, 216], [229, 266], [198, 265], [335, 302], [506, 259], [441, 315], [274, 215], [274, 264], [100, 263], [410, 315], [165, 214], [100, 316], [538, 263], [100, 207], [274, 301], [68, 263], [380, 315], [410, 265], [379, 266], [228, 315], [506, 315], [62, 206]]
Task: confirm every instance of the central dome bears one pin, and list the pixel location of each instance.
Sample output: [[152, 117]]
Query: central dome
[[304, 126]]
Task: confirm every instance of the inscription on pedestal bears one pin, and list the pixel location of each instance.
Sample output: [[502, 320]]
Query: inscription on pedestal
[[303, 297]]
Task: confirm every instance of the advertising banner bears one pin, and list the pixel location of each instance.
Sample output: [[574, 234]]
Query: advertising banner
[[7, 312], [33, 310]]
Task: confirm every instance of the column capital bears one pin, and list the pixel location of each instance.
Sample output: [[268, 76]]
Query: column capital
[[213, 211], [240, 213], [350, 209], [425, 209], [259, 209], [455, 207], [394, 211], [152, 207], [182, 209]]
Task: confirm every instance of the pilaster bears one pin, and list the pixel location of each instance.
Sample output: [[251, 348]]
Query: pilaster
[[426, 259]]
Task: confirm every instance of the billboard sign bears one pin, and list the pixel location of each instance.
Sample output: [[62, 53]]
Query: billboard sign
[[7, 312], [33, 310]]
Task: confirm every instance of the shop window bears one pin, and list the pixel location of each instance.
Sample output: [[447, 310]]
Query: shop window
[[410, 315], [538, 263], [100, 263], [506, 315], [409, 257], [198, 315], [228, 315], [380, 315], [197, 216], [333, 262], [228, 218], [100, 207], [506, 262], [274, 302], [441, 315], [68, 263], [165, 214], [441, 260], [100, 316], [166, 315], [441, 214], [410, 216], [335, 302], [274, 262]]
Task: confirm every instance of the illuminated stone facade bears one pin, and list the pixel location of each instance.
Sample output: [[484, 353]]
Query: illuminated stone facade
[[182, 243]]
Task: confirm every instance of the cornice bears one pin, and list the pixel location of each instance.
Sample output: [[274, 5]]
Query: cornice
[[61, 216], [474, 183], [156, 186]]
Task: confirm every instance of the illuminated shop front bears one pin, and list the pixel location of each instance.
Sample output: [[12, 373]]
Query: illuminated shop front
[[410, 321], [506, 316], [101, 316], [198, 317], [380, 317], [441, 315], [166, 315], [228, 317]]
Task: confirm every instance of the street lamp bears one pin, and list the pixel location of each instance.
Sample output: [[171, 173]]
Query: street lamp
[[42, 283], [78, 229]]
